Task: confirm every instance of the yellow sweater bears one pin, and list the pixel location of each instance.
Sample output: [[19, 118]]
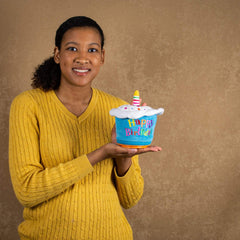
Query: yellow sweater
[[64, 196]]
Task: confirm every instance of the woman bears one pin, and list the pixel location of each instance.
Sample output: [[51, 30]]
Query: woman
[[66, 170]]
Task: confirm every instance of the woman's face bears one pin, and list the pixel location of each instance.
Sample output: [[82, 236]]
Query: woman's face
[[80, 56]]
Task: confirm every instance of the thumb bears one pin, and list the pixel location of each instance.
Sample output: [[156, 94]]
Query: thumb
[[132, 150]]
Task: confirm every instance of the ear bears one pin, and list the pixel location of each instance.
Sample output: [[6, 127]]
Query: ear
[[56, 55], [102, 56]]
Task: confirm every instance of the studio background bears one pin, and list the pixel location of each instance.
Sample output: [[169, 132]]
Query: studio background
[[182, 55]]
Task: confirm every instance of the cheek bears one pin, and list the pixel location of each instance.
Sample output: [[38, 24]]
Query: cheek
[[64, 63], [64, 68], [97, 61], [65, 59]]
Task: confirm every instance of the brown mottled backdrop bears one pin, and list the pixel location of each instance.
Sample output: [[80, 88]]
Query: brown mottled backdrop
[[183, 55]]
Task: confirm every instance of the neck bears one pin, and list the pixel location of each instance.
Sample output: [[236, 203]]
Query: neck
[[79, 95]]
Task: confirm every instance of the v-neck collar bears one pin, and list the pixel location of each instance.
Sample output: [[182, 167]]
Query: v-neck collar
[[84, 115]]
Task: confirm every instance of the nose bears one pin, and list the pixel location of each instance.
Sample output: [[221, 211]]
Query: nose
[[81, 59]]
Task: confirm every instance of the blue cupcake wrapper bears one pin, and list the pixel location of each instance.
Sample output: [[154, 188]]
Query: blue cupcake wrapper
[[135, 132]]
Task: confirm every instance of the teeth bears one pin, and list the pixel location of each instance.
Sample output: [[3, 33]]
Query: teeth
[[80, 70]]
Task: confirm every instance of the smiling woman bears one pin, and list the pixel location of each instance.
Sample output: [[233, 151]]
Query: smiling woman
[[80, 57], [65, 167]]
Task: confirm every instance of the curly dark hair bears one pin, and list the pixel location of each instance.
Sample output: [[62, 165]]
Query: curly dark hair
[[47, 75]]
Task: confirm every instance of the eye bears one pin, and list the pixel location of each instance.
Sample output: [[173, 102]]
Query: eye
[[72, 49], [92, 50]]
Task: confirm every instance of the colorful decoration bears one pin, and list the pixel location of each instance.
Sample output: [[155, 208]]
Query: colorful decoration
[[135, 124], [136, 99]]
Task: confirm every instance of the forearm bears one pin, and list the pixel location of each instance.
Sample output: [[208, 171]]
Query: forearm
[[130, 185], [33, 184], [122, 165], [97, 155]]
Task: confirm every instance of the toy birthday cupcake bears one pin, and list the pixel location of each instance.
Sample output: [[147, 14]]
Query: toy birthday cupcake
[[135, 124]]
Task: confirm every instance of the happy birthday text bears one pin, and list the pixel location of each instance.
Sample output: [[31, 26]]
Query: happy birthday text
[[143, 127]]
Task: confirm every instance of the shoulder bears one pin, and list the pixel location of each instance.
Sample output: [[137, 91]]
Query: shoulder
[[112, 100], [28, 98]]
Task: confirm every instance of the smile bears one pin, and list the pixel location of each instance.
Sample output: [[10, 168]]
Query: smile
[[81, 70]]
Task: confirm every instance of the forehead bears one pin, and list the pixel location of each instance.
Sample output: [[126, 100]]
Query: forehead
[[79, 34]]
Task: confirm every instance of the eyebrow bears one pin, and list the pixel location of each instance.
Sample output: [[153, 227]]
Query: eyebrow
[[75, 43]]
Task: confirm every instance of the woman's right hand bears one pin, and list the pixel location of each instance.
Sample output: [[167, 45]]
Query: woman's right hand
[[115, 151], [110, 150]]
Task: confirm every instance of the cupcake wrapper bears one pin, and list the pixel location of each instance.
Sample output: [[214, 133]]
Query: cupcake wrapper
[[135, 132]]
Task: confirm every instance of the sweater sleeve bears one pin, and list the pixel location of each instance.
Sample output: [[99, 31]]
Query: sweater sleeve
[[32, 183], [130, 186]]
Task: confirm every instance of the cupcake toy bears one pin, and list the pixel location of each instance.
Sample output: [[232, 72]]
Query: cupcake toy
[[135, 124]]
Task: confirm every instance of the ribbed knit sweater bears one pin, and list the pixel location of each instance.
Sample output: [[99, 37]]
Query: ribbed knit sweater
[[64, 196]]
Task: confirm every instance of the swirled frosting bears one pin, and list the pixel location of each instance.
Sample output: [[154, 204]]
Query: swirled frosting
[[134, 112]]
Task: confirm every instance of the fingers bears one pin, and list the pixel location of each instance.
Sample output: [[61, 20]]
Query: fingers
[[114, 135], [130, 152], [116, 151], [149, 149], [154, 148], [126, 152]]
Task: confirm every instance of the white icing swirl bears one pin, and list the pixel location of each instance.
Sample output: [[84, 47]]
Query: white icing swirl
[[134, 112]]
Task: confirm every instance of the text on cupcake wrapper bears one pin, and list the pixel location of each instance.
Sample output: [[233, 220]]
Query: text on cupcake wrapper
[[144, 127]]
